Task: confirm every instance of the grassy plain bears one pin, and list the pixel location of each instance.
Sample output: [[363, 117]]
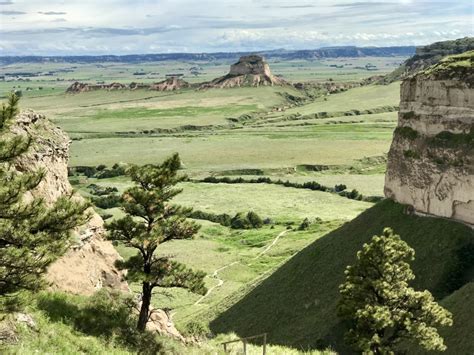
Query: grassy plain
[[218, 131]]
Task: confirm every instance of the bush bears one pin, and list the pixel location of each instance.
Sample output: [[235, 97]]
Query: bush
[[108, 201], [340, 187], [304, 225], [254, 219], [196, 329], [101, 190], [223, 219], [240, 221]]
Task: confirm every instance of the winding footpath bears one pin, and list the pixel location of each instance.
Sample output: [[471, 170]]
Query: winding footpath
[[220, 282]]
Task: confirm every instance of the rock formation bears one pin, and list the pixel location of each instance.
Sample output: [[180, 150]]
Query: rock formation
[[431, 160], [89, 264], [251, 70], [83, 87], [170, 84]]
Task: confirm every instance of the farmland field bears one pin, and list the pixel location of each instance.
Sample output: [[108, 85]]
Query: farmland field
[[277, 132]]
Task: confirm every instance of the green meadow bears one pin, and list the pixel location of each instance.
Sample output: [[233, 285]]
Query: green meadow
[[277, 132]]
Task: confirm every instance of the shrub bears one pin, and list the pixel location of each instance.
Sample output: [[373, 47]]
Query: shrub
[[254, 219], [407, 132], [240, 221], [340, 187], [304, 225], [108, 201], [223, 219]]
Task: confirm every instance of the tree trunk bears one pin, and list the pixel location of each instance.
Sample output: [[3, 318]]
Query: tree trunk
[[145, 308]]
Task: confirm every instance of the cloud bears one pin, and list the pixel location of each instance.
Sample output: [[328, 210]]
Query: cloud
[[6, 2], [52, 13], [7, 12], [123, 26], [365, 4]]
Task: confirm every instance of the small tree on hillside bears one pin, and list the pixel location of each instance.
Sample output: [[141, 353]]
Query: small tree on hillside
[[149, 222], [32, 235], [382, 307]]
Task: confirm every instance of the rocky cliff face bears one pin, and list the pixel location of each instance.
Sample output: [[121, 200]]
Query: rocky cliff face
[[431, 160], [89, 264], [251, 70]]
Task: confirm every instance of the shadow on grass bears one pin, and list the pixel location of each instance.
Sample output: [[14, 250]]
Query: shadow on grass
[[104, 315]]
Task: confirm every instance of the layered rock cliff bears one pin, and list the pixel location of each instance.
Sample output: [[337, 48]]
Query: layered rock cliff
[[89, 264], [431, 159], [251, 70]]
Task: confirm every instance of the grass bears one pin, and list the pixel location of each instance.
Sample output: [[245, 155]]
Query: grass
[[362, 98], [232, 151], [60, 328], [276, 202], [296, 305]]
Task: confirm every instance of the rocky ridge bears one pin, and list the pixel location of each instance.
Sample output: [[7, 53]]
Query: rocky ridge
[[169, 84], [431, 159], [426, 56]]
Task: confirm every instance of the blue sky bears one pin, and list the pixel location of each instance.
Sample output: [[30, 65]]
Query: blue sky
[[68, 27]]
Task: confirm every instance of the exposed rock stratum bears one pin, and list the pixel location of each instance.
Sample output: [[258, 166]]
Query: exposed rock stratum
[[251, 70], [89, 264], [431, 159]]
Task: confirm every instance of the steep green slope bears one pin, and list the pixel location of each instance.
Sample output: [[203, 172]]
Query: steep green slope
[[297, 304]]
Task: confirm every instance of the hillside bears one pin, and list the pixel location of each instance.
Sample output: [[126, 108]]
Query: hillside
[[296, 305]]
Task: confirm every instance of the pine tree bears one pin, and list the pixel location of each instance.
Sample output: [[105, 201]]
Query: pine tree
[[382, 308], [150, 221], [32, 235]]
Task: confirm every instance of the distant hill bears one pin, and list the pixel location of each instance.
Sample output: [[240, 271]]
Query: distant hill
[[296, 305], [428, 55], [329, 52]]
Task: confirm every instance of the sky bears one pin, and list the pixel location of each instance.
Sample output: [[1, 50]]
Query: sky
[[92, 27]]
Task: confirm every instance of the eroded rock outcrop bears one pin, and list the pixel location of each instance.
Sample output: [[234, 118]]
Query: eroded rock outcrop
[[89, 264], [431, 160], [170, 84], [251, 70]]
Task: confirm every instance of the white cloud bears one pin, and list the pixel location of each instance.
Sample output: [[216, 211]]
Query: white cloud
[[127, 26]]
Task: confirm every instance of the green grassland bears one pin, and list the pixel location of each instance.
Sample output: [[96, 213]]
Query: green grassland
[[226, 132]]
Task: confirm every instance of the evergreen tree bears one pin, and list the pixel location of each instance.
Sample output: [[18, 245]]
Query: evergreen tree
[[32, 235], [381, 306], [150, 221]]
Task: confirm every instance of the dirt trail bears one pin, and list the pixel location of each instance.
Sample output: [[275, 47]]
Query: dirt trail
[[220, 282]]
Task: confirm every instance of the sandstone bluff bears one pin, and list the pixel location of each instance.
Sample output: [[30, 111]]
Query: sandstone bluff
[[250, 70], [431, 159], [89, 264]]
